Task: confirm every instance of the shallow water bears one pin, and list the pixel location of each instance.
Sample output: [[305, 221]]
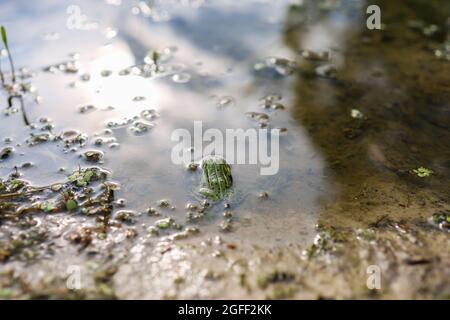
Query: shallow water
[[210, 52], [216, 68]]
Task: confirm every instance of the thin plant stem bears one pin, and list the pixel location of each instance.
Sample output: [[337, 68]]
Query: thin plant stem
[[22, 107], [2, 77], [5, 42], [12, 66]]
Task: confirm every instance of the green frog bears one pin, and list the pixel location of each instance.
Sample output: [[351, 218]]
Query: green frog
[[217, 179]]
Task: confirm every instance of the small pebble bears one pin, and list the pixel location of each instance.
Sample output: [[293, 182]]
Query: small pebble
[[153, 231], [228, 214], [164, 203], [263, 195], [120, 202], [191, 206], [193, 166], [153, 212], [226, 226], [26, 165]]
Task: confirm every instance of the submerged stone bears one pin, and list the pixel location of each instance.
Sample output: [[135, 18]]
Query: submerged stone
[[273, 67], [93, 156], [126, 216], [315, 56], [141, 127], [106, 73], [149, 114], [192, 166], [86, 108], [224, 101], [38, 139], [6, 152], [164, 223]]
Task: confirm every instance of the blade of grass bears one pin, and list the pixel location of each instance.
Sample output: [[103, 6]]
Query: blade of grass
[[5, 42], [4, 37], [1, 72]]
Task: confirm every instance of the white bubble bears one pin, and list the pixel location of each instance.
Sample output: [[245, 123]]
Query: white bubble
[[181, 77]]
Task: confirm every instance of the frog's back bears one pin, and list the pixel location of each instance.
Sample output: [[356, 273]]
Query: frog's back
[[217, 175]]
